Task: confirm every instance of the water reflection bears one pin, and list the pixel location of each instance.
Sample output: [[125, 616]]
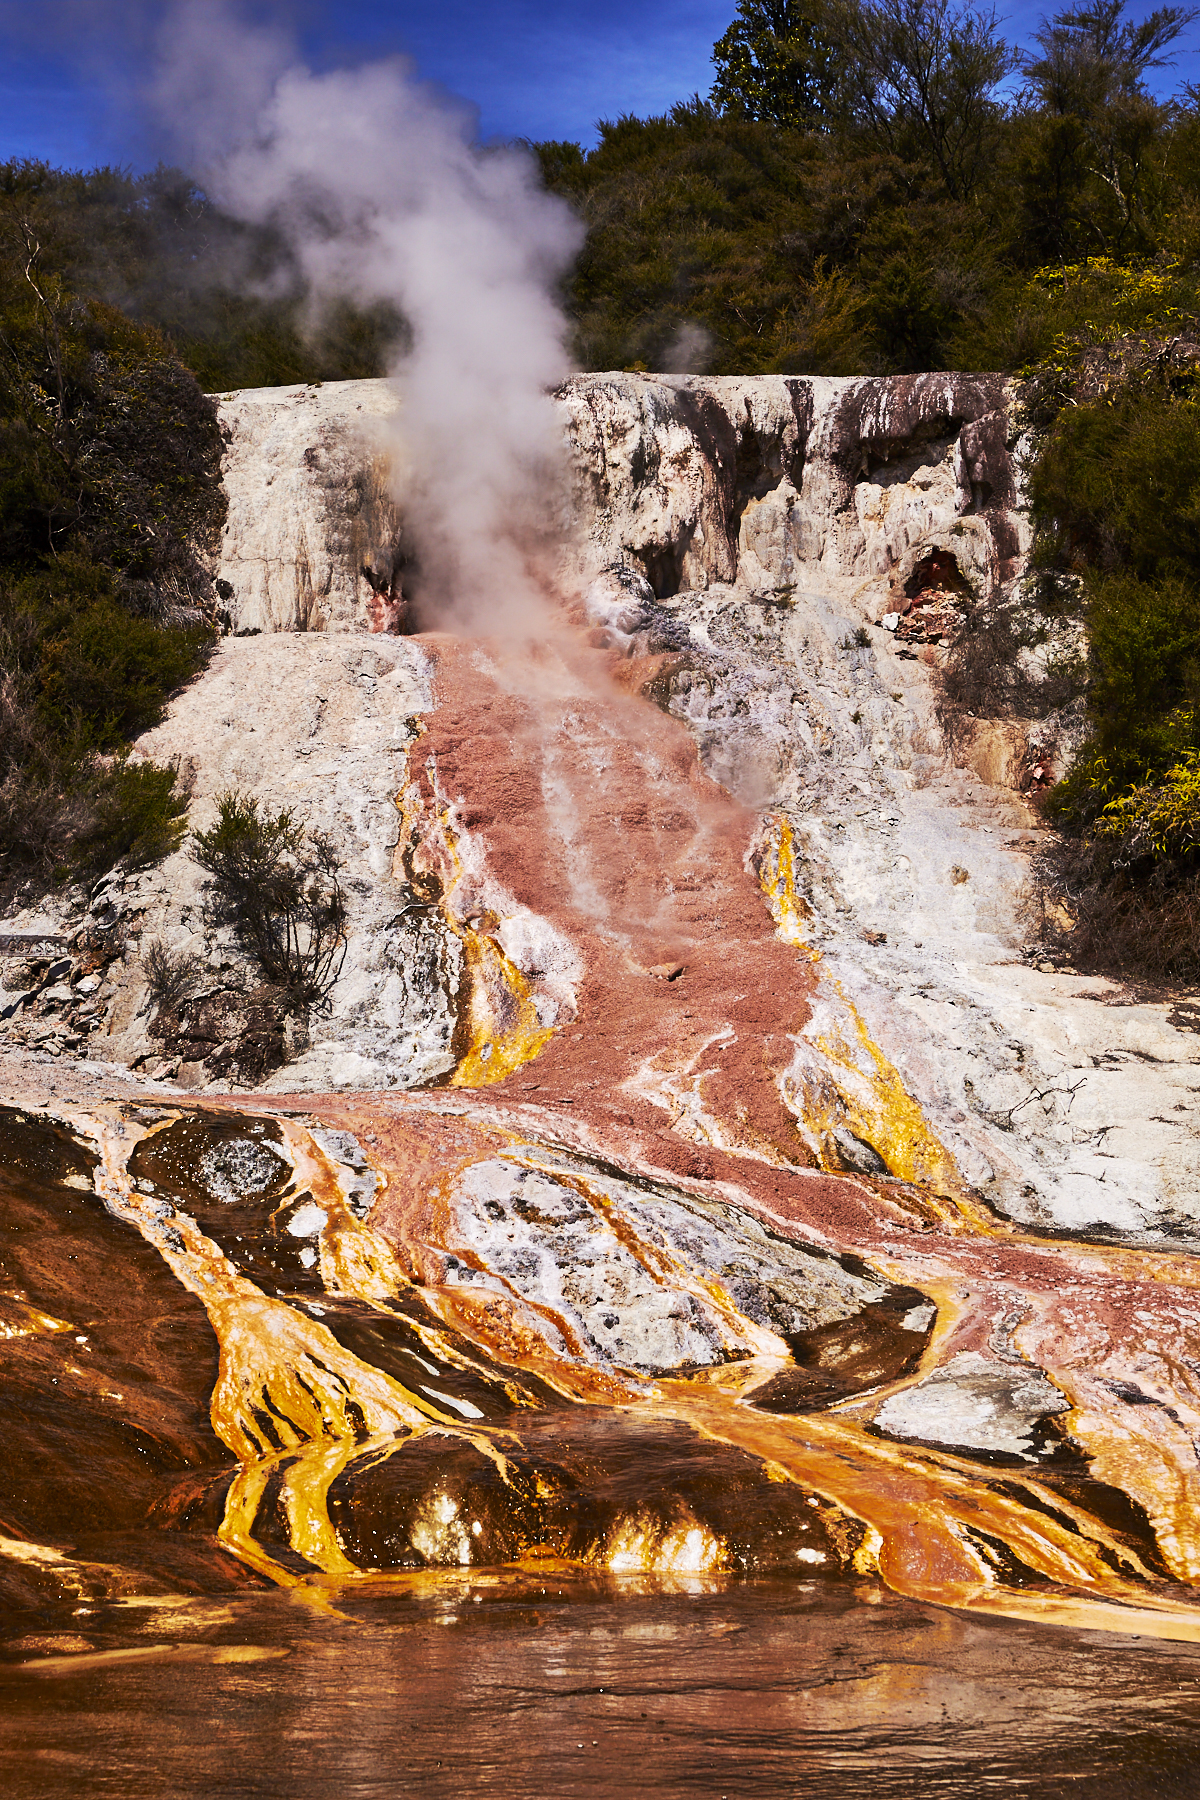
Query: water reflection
[[514, 1685]]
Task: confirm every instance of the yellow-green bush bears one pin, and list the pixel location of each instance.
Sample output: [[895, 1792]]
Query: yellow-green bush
[[1160, 821]]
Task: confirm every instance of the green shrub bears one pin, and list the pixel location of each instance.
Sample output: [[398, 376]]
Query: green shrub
[[110, 503], [1144, 639], [276, 883], [107, 676], [1159, 822], [1116, 485], [1115, 493], [66, 815], [139, 814]]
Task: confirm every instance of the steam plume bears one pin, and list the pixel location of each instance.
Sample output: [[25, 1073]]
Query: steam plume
[[375, 180]]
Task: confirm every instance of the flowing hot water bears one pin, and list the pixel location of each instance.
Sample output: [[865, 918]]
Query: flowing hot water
[[420, 1299]]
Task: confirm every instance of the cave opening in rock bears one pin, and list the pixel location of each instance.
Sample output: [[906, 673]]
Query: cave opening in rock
[[664, 566], [938, 570]]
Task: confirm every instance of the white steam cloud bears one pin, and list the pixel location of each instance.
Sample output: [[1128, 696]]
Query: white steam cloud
[[377, 184]]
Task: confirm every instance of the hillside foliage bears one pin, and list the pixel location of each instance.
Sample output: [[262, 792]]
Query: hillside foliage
[[886, 186], [109, 496], [1116, 494]]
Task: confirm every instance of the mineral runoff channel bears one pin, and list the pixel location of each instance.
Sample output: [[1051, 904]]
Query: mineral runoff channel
[[342, 1503]]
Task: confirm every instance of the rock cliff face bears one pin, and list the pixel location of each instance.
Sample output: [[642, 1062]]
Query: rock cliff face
[[307, 479], [685, 1033], [734, 544], [777, 483], [769, 483]]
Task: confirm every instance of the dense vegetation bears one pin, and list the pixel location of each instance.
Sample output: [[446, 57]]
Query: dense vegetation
[[227, 297], [1116, 489], [109, 493], [858, 194], [874, 185]]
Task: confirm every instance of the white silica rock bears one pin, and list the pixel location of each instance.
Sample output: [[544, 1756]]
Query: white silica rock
[[308, 1221], [975, 1403], [757, 528]]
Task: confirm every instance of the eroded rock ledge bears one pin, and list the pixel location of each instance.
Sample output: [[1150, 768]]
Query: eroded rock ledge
[[768, 482], [736, 543]]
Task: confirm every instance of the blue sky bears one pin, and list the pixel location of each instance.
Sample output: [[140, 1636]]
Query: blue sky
[[534, 68]]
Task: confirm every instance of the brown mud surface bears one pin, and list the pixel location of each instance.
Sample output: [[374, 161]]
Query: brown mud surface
[[597, 815]]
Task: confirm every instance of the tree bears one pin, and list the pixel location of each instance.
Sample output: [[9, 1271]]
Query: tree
[[1089, 170], [922, 76], [1091, 59], [777, 62]]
